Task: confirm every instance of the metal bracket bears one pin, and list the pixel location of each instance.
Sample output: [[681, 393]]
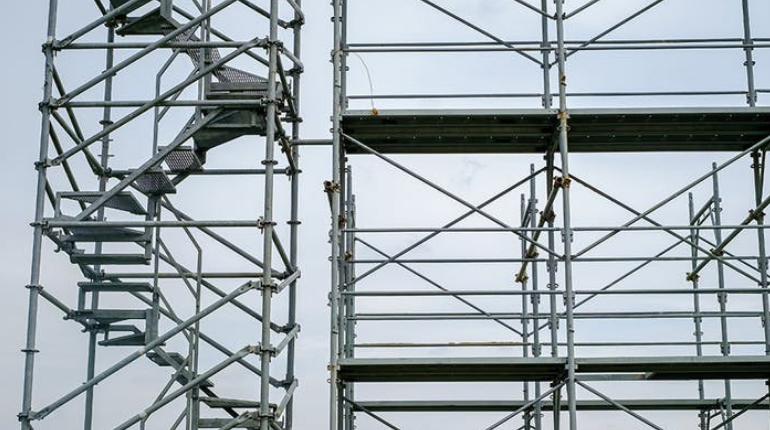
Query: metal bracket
[[44, 164], [562, 182], [331, 187], [549, 217], [757, 216], [692, 277], [261, 224]]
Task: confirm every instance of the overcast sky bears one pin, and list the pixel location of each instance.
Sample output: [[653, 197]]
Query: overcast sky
[[388, 198]]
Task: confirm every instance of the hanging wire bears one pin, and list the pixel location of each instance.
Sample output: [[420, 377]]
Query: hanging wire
[[369, 78]]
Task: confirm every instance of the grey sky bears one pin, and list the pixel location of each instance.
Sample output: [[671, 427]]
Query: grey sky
[[387, 198]]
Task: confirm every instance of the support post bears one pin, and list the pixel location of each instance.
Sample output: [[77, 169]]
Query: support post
[[294, 212], [334, 199], [567, 222], [266, 350], [758, 166], [30, 348], [537, 347], [748, 48], [697, 319], [722, 296]]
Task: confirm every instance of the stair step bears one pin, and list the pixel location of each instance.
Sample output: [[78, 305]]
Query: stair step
[[221, 403], [109, 316], [252, 90], [175, 360], [116, 287], [229, 125], [105, 234], [154, 183], [152, 23], [136, 339], [161, 361], [182, 159], [117, 3], [215, 423], [124, 200], [120, 259]]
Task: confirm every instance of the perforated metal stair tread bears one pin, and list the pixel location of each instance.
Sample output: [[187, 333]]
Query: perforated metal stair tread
[[118, 3], [117, 259], [108, 316], [136, 339], [222, 403], [215, 423], [124, 200], [182, 159], [138, 287], [175, 357], [154, 183], [105, 234], [152, 23]]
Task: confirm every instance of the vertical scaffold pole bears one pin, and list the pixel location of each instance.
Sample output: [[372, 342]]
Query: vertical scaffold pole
[[525, 210], [567, 222], [294, 221], [337, 56], [758, 167], [697, 319], [104, 160], [546, 45], [536, 348], [37, 241], [349, 301], [722, 296], [748, 48], [267, 239]]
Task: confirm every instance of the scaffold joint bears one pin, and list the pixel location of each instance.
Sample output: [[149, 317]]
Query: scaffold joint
[[521, 277], [43, 164], [562, 182], [692, 277], [331, 187]]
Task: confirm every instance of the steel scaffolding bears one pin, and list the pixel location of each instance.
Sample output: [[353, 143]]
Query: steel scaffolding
[[183, 105], [554, 310]]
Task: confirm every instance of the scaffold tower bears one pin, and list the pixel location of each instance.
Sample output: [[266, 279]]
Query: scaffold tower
[[166, 144], [632, 299]]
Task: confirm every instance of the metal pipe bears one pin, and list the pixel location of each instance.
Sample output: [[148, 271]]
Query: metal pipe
[[697, 319], [457, 220], [619, 406], [759, 145], [265, 351], [466, 302], [721, 297], [751, 96], [42, 413], [334, 196], [140, 417], [536, 347], [294, 222], [440, 189], [480, 30], [584, 315], [636, 291], [30, 348]]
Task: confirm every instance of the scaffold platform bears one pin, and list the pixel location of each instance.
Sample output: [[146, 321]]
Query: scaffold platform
[[518, 369], [525, 131]]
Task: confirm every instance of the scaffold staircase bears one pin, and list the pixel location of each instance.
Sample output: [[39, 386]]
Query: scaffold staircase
[[97, 246]]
